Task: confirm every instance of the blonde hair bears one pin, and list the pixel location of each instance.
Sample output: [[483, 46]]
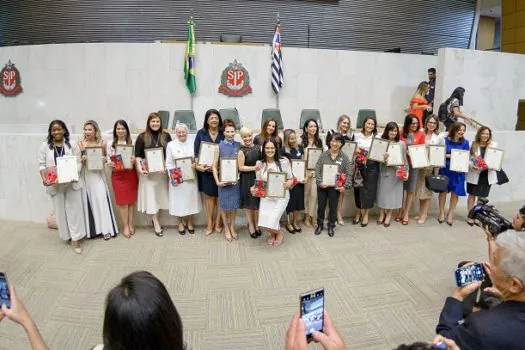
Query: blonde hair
[[245, 131], [98, 135], [422, 88], [340, 120]]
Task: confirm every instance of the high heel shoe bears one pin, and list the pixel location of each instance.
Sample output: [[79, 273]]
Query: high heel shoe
[[190, 230], [356, 221], [183, 231], [441, 220], [254, 235]]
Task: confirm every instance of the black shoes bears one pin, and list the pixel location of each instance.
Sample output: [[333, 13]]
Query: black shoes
[[254, 235], [318, 230], [331, 231]]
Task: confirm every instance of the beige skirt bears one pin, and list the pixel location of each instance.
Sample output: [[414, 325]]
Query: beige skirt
[[422, 192], [153, 193]]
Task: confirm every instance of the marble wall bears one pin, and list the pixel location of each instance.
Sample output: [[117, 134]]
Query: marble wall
[[23, 198], [76, 82], [493, 83]]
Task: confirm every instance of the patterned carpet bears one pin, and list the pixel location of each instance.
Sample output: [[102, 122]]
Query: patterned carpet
[[383, 286]]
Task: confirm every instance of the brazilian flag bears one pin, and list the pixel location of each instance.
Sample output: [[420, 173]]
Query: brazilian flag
[[189, 62]]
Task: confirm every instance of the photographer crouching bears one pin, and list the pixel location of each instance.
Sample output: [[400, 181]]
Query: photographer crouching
[[501, 326]]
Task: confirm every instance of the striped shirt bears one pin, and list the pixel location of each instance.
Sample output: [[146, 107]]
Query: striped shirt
[[345, 166]]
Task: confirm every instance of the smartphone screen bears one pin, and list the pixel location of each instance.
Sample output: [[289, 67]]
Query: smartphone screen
[[469, 274], [312, 310], [5, 298]]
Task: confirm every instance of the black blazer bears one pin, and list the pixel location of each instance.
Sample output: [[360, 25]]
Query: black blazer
[[499, 328]]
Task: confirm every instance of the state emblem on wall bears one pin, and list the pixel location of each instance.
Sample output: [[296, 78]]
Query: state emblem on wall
[[235, 80], [11, 82]]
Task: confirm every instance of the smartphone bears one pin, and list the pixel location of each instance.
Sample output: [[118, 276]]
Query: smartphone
[[312, 310], [469, 274], [5, 298]]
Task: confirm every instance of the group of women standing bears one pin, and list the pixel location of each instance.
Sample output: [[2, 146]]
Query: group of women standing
[[84, 208]]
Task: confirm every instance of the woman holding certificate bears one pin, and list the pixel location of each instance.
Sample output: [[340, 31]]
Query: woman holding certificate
[[269, 129], [294, 153], [390, 185], [227, 181], [333, 173], [206, 141], [98, 211], [479, 177], [456, 180], [184, 198], [366, 173], [410, 136], [432, 138], [248, 157], [344, 127], [123, 175], [313, 147], [150, 152], [65, 196], [277, 174]]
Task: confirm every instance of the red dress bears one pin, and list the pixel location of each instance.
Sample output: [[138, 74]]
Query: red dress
[[125, 185], [418, 112]]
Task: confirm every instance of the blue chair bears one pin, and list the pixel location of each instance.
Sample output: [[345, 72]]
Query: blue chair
[[274, 113], [164, 118], [311, 114], [362, 114], [185, 116], [233, 114]]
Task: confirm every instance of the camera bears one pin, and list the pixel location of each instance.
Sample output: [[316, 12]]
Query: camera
[[488, 216]]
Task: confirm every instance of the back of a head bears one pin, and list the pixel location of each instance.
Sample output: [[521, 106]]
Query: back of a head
[[141, 315]]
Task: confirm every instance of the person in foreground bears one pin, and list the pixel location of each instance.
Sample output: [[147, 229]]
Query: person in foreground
[[330, 339], [19, 314], [500, 327]]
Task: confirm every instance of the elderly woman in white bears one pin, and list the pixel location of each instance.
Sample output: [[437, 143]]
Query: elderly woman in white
[[184, 198]]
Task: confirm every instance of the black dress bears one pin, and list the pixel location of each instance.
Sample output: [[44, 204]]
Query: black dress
[[205, 180], [482, 189], [251, 156], [365, 196], [296, 202]]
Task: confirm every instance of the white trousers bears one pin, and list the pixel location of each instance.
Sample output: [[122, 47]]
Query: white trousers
[[69, 213]]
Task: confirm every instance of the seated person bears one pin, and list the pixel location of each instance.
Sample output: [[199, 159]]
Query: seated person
[[500, 327]]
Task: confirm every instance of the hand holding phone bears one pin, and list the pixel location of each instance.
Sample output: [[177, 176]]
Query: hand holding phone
[[5, 297], [312, 311], [469, 274]]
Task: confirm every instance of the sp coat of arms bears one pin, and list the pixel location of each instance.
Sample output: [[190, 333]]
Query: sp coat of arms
[[235, 80], [11, 82]]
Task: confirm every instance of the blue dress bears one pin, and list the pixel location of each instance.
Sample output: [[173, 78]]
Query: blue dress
[[456, 181], [205, 180], [229, 196]]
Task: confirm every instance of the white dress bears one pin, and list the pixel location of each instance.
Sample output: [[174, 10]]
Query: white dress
[[271, 209], [98, 210], [184, 199]]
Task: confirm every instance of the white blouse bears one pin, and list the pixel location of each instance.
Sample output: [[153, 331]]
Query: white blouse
[[46, 159], [363, 142]]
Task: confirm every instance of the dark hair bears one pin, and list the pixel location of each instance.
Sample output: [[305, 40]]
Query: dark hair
[[115, 137], [228, 122], [458, 93], [207, 116], [264, 135], [388, 127], [50, 138], [477, 140], [406, 125], [436, 119], [374, 132], [338, 137], [415, 346], [432, 70], [522, 214], [304, 137], [453, 130], [148, 133], [141, 315], [276, 157]]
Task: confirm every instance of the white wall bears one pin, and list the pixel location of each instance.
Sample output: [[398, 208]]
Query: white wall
[[105, 82], [493, 82]]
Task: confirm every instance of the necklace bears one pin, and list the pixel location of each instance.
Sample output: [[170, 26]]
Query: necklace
[[156, 142]]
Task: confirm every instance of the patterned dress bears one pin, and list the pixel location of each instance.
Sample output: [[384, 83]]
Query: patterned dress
[[229, 195]]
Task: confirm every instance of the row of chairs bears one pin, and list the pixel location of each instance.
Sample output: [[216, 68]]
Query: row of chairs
[[188, 117]]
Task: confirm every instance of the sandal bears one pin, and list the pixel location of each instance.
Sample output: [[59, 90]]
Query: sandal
[[107, 236], [290, 228], [297, 228], [278, 242], [405, 222], [228, 236]]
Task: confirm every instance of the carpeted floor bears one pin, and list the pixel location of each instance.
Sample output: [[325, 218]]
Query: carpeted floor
[[383, 286]]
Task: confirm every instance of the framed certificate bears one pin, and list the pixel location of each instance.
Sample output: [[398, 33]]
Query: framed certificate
[[67, 169], [378, 149], [312, 156], [329, 174], [418, 156], [155, 159], [494, 158], [299, 169], [94, 158], [395, 154], [207, 153], [126, 152], [437, 155], [228, 170], [349, 149], [275, 185], [459, 160], [184, 164]]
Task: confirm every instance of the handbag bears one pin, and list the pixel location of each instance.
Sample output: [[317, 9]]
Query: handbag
[[437, 183], [358, 180], [502, 177]]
